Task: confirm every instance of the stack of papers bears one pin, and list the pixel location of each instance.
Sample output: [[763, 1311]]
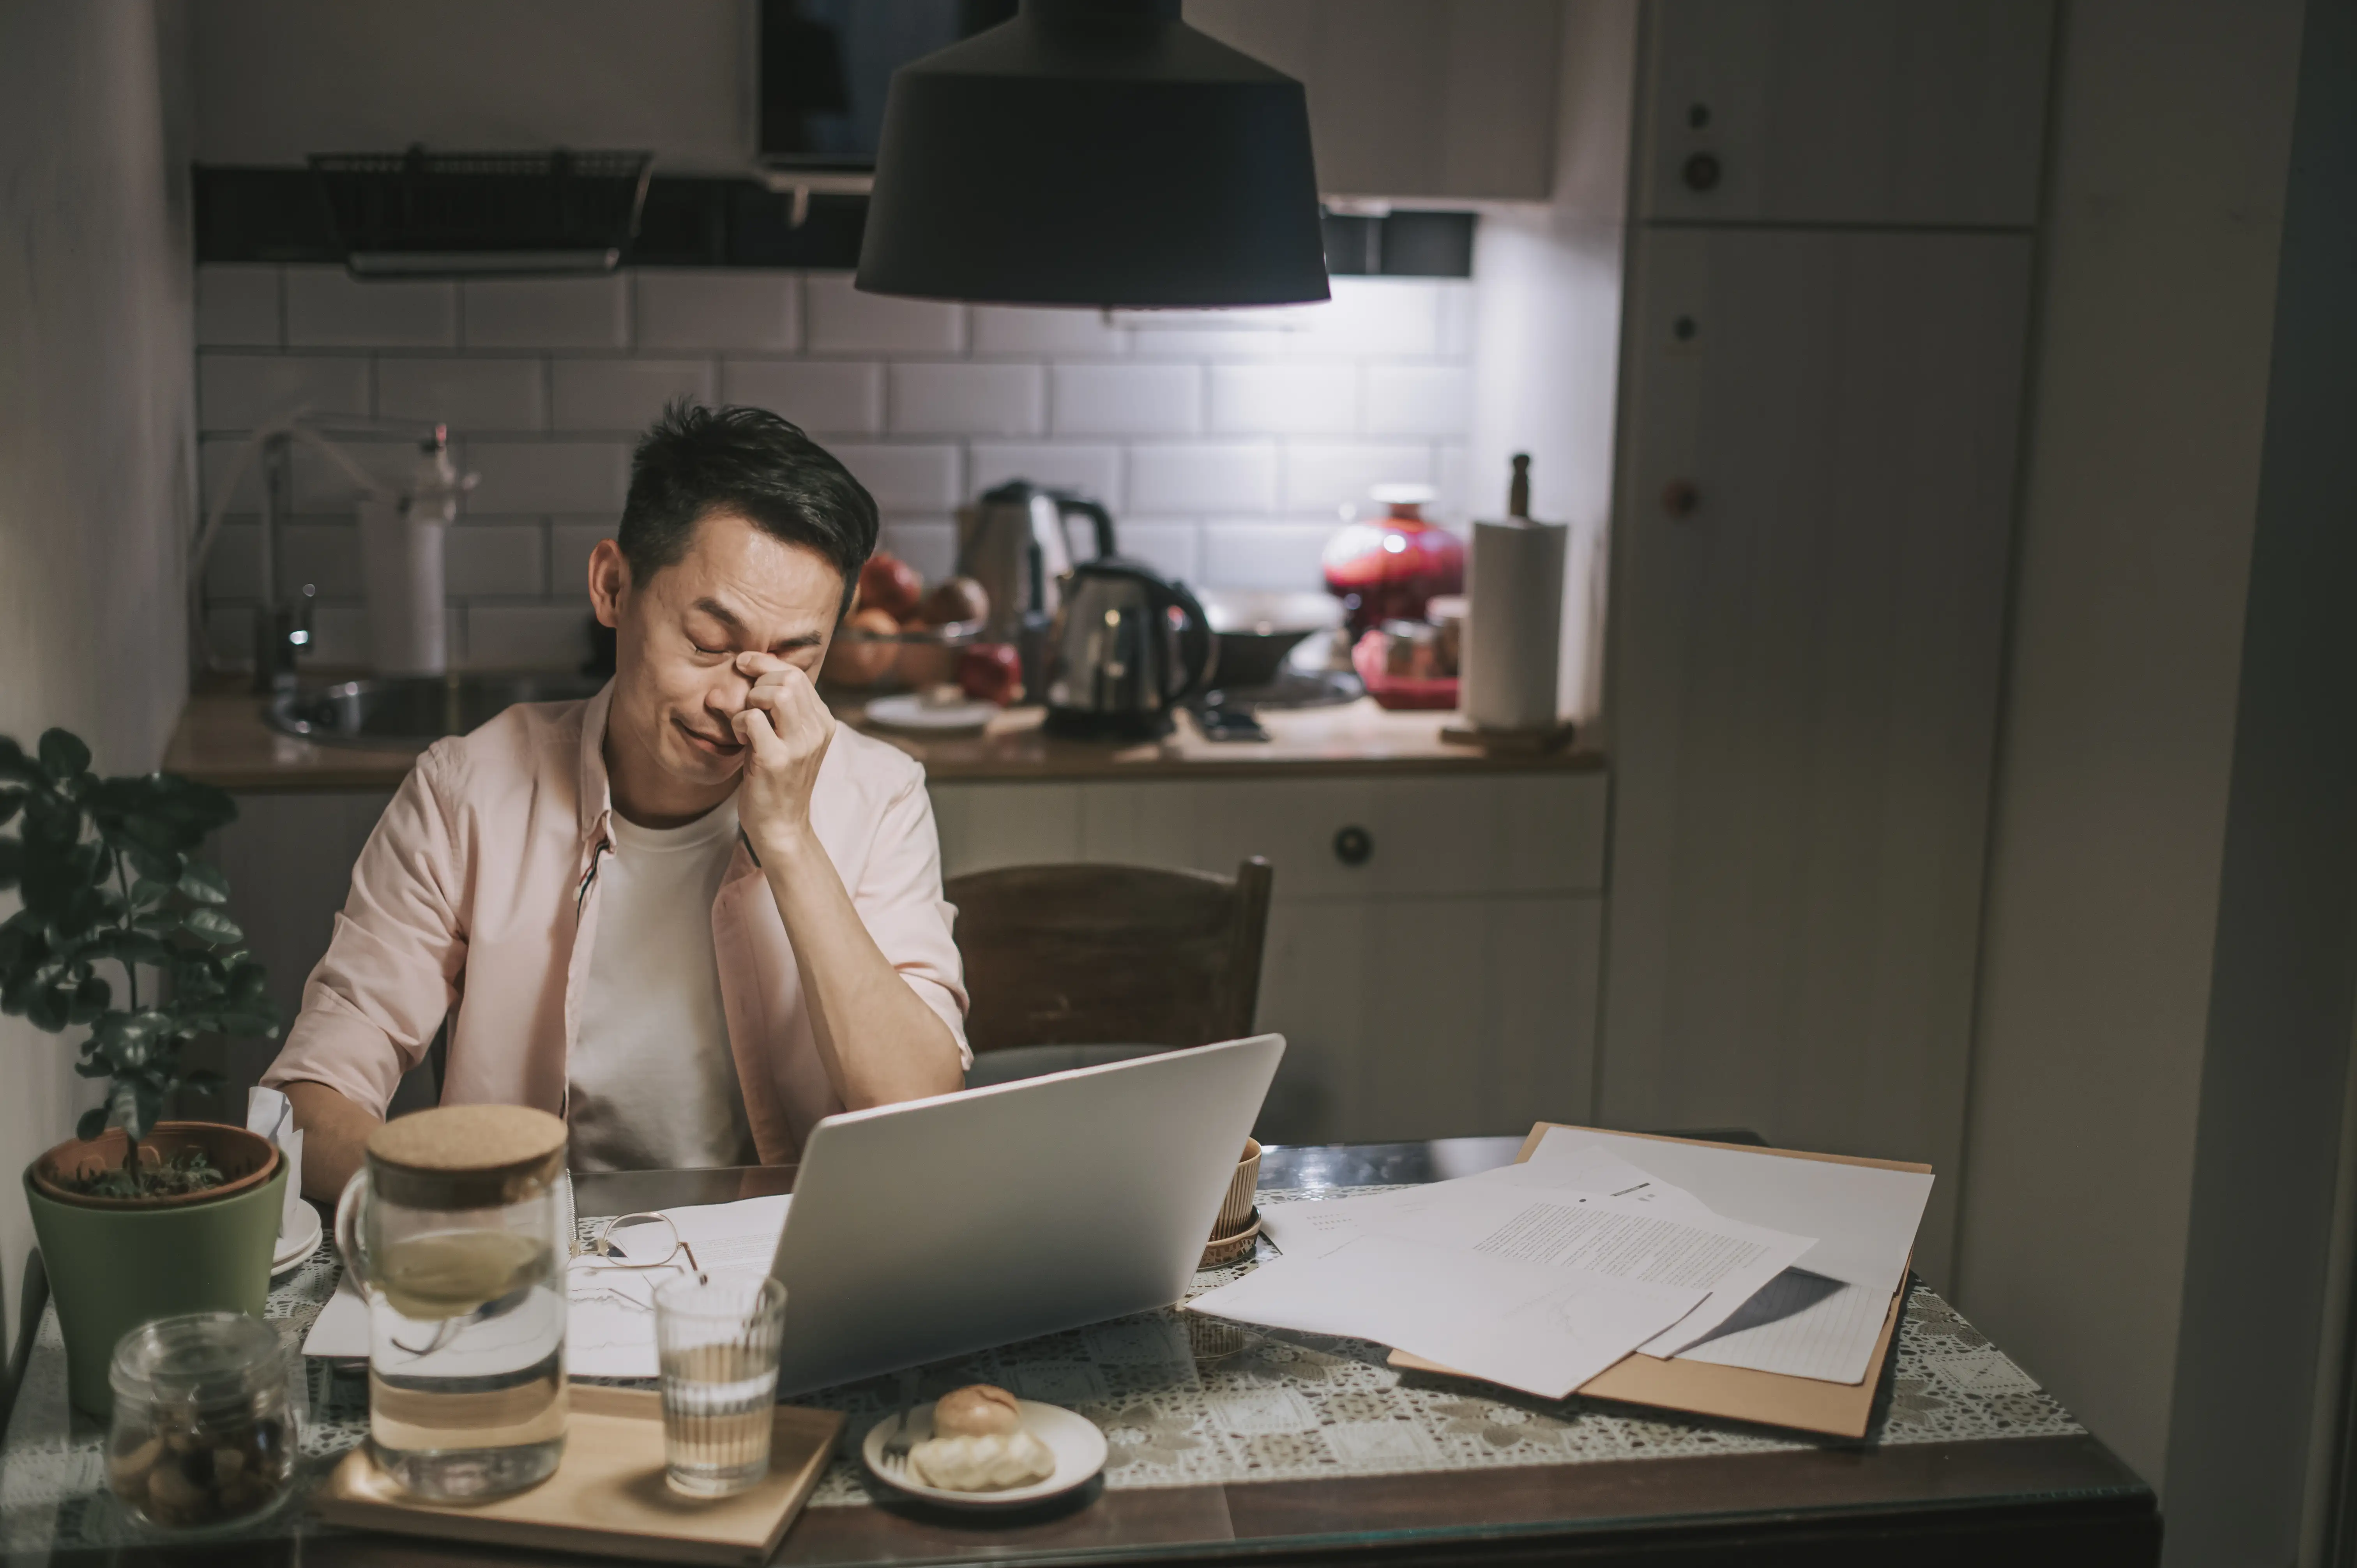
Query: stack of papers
[[1540, 1275]]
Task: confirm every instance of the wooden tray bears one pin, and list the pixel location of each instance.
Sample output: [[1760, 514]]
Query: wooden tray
[[609, 1497]]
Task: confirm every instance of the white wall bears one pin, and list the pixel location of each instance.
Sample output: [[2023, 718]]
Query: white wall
[[96, 439], [2149, 396], [279, 79]]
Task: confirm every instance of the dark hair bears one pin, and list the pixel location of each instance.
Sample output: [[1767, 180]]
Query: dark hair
[[694, 461]]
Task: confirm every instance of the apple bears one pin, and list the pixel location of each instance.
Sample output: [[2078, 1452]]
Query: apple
[[891, 585], [992, 672], [955, 599]]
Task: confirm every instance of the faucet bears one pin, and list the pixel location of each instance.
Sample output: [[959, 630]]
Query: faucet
[[281, 631]]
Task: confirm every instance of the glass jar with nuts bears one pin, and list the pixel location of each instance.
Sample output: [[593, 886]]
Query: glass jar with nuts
[[203, 1432]]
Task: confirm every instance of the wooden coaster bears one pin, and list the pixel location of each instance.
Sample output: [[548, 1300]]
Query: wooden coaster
[[1528, 741], [609, 1496], [1226, 1249]]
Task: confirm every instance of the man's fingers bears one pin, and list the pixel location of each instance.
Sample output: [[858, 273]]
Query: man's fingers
[[753, 727]]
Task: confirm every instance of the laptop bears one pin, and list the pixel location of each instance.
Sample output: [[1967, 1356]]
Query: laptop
[[943, 1226]]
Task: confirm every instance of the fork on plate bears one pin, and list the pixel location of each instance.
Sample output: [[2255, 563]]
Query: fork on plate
[[896, 1446]]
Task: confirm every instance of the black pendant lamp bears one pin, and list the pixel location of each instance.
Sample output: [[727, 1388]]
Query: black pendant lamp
[[1094, 153]]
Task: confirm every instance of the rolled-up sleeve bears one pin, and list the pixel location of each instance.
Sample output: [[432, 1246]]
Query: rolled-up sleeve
[[372, 1006], [899, 901]]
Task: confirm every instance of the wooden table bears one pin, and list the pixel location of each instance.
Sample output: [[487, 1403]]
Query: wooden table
[[2020, 1502]]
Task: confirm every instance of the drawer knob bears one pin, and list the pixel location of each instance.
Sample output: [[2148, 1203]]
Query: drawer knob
[[1701, 172], [1679, 497], [1353, 845]]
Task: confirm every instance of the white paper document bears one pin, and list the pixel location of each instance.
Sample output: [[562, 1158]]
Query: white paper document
[[1624, 1225], [1527, 1326], [1806, 1324], [610, 1326]]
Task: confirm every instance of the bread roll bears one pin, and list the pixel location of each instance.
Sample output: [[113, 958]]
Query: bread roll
[[989, 1462], [977, 1409]]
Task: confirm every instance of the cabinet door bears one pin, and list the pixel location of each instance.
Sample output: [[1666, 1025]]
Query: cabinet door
[[1415, 98], [1805, 682], [1929, 112]]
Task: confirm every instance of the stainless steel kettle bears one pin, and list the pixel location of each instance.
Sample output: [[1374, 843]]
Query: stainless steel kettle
[[1126, 647], [1013, 541]]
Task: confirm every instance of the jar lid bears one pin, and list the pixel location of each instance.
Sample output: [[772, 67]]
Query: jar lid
[[203, 1358], [466, 1156], [1402, 495]]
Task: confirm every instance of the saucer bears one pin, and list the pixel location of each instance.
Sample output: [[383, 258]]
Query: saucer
[[1075, 1441], [299, 1243]]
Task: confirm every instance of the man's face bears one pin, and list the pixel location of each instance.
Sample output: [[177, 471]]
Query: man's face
[[676, 685]]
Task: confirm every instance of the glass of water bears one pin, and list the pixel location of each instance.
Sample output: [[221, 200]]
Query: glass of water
[[717, 1340]]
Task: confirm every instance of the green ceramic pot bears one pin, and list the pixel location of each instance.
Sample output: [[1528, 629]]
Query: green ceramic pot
[[114, 1265]]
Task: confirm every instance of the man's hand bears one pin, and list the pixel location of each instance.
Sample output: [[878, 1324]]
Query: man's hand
[[786, 729]]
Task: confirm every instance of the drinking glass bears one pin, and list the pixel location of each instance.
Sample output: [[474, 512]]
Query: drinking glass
[[717, 1341]]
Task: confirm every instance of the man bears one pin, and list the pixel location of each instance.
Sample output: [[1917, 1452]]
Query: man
[[691, 914]]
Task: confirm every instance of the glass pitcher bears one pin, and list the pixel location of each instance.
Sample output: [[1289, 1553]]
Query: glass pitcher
[[452, 1230]]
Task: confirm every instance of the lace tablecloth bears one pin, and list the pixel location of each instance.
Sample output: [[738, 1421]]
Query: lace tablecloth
[[1183, 1399]]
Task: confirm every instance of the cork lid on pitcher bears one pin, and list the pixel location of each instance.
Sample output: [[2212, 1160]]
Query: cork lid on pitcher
[[466, 1156]]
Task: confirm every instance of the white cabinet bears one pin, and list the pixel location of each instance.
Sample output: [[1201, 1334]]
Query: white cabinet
[[1929, 111], [1445, 984], [1414, 98], [1805, 671]]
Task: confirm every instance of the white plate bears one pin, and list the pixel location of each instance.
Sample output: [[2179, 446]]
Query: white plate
[[910, 712], [1071, 1438], [299, 1243]]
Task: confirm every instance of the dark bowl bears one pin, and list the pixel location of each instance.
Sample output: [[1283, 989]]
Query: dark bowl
[[1256, 629]]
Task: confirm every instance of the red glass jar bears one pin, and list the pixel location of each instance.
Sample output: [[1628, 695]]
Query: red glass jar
[[1388, 567]]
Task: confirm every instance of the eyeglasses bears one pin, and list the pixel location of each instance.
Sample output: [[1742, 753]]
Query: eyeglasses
[[603, 1251]]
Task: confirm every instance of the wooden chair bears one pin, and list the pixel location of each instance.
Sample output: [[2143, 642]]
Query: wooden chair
[[1071, 965]]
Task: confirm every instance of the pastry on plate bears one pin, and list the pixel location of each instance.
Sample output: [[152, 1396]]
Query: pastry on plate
[[979, 1445]]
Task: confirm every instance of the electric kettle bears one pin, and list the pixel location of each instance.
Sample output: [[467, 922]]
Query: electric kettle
[[1125, 648]]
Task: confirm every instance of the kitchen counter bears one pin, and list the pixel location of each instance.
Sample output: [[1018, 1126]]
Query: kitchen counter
[[223, 740]]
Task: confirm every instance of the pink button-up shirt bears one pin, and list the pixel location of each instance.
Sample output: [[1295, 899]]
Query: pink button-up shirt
[[476, 900]]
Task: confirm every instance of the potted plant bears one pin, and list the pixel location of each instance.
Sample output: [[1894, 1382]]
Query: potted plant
[[137, 1218]]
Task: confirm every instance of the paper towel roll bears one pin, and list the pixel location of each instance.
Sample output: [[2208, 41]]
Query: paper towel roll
[[1513, 624], [400, 562]]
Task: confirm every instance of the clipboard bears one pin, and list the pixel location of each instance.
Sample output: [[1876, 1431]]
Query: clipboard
[[1737, 1393]]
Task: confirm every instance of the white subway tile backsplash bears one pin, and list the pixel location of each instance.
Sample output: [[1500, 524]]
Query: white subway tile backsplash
[[1374, 315], [1320, 477], [700, 307], [624, 395], [1172, 547], [1127, 400], [465, 395], [329, 307], [1256, 554], [967, 399], [911, 478], [237, 304], [548, 476], [528, 637], [485, 560], [1093, 471], [1228, 477], [825, 397], [1262, 421], [1418, 400], [928, 543], [842, 320], [546, 313], [1020, 329], [1285, 400], [238, 391], [570, 539], [1460, 497]]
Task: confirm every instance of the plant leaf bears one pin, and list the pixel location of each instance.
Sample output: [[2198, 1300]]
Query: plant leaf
[[93, 1122], [204, 883], [12, 857], [127, 1103], [90, 999], [212, 926], [11, 801], [63, 755]]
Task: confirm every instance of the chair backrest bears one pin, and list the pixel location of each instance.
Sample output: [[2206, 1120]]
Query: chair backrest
[[1083, 954]]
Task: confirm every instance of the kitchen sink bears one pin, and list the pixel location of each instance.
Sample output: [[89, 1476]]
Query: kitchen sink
[[415, 709]]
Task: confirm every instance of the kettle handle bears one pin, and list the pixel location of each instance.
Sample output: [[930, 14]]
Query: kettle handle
[[1099, 519], [1204, 656]]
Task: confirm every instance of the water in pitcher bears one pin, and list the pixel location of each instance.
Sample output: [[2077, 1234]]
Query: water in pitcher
[[465, 1362]]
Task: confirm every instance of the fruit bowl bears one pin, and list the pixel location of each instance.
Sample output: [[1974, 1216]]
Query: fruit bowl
[[910, 657]]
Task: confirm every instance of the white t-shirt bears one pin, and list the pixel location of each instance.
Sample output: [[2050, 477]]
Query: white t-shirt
[[653, 1086]]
